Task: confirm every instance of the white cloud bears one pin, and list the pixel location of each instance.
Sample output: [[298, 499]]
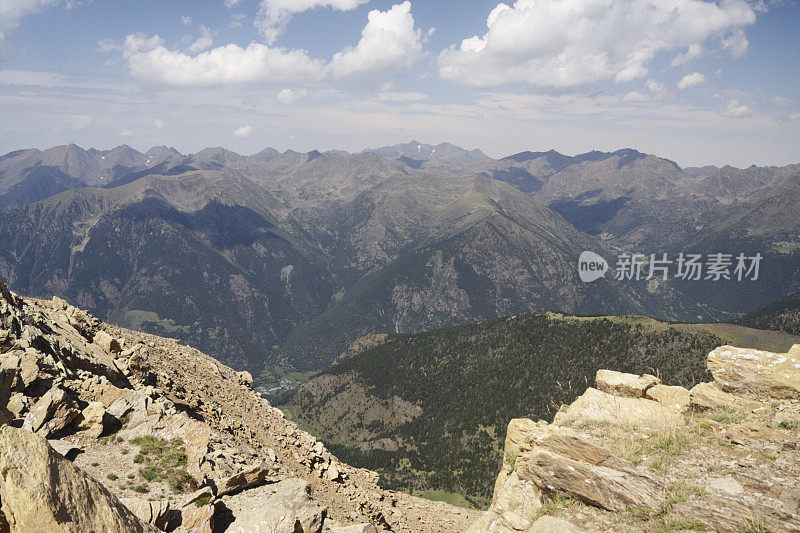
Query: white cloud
[[31, 77], [186, 20], [781, 100], [654, 91], [225, 65], [236, 20], [736, 44], [401, 97], [204, 42], [244, 131], [388, 41], [292, 96], [693, 52], [274, 15], [692, 79], [13, 11], [231, 3], [734, 110], [566, 43], [794, 116], [159, 124]]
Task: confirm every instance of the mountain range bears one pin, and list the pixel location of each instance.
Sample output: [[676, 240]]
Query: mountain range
[[283, 259]]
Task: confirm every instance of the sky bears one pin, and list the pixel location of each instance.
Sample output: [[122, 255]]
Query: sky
[[699, 82]]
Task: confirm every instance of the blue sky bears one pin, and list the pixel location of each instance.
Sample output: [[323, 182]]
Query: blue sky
[[697, 81]]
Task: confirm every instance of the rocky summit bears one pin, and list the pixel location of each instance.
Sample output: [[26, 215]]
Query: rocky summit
[[107, 429], [634, 454]]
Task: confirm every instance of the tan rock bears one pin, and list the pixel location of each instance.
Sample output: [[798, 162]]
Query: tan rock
[[158, 513], [707, 396], [198, 518], [52, 413], [675, 396], [355, 528], [744, 370], [18, 404], [613, 489], [622, 384], [92, 419], [107, 342], [726, 484], [598, 406], [42, 491], [244, 480], [551, 524], [283, 507]]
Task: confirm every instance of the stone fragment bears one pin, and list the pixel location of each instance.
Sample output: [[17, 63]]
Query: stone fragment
[[675, 396], [622, 384], [52, 413]]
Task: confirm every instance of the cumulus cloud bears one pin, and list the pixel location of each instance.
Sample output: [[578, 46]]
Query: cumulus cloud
[[159, 124], [693, 52], [274, 15], [735, 110], [690, 80], [13, 11], [389, 40], [566, 43], [231, 3], [292, 96], [225, 65], [736, 44], [186, 20], [794, 116], [204, 42], [244, 131]]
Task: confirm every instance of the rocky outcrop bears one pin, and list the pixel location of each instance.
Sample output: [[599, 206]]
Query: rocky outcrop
[[42, 491], [748, 371], [153, 420], [283, 507], [634, 447]]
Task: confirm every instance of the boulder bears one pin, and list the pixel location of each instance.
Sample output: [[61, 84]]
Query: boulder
[[612, 489], [622, 384], [53, 412], [244, 480], [598, 406], [747, 371], [92, 419], [283, 507], [158, 513], [107, 342], [675, 396], [198, 511], [42, 491], [543, 460], [65, 448], [245, 378], [119, 408], [707, 396]]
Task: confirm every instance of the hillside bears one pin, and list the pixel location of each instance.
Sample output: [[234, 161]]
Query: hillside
[[278, 261], [780, 315], [429, 411]]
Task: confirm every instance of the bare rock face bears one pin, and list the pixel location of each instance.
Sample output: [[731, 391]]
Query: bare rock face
[[245, 480], [53, 412], [622, 384], [747, 371], [543, 460], [283, 507], [158, 513], [598, 406], [673, 395], [42, 491], [708, 396], [92, 419]]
